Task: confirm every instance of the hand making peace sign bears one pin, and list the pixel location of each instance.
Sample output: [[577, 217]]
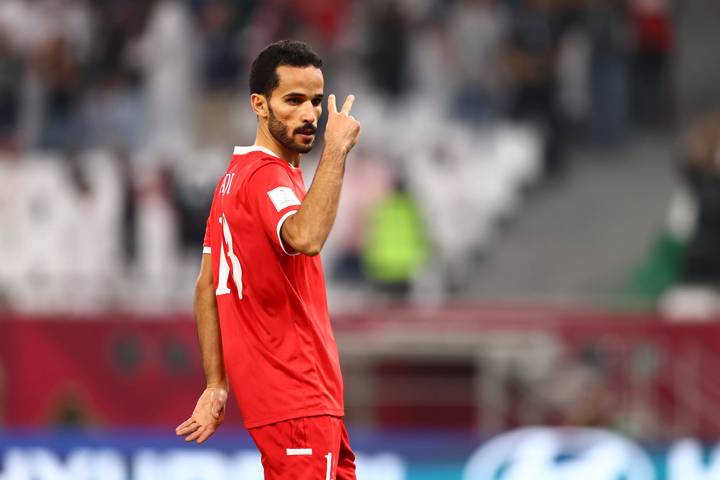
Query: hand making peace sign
[[342, 129]]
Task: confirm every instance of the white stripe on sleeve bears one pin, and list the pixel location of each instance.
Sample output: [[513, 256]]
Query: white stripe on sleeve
[[279, 226]]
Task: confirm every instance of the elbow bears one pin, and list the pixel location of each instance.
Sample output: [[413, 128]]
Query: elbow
[[204, 288], [313, 251], [301, 240], [307, 247]]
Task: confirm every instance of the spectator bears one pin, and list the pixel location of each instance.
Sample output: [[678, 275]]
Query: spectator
[[169, 58], [60, 76], [701, 170], [396, 247], [654, 43], [221, 46], [11, 72], [477, 29], [533, 40], [609, 82], [684, 262], [387, 57]]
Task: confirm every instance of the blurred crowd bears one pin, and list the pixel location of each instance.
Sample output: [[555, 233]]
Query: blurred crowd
[[118, 116], [682, 269]]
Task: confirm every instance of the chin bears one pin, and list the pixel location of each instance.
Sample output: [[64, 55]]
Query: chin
[[303, 148]]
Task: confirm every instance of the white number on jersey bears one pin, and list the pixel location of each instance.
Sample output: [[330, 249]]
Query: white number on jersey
[[328, 468], [225, 268]]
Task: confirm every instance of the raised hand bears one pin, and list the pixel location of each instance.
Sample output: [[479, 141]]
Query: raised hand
[[342, 129], [207, 416]]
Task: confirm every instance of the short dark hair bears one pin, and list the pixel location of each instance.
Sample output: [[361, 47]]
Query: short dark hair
[[263, 72]]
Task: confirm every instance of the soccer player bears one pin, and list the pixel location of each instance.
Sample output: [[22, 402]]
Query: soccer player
[[260, 301]]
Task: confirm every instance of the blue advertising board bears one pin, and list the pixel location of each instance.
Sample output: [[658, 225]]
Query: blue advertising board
[[527, 454]]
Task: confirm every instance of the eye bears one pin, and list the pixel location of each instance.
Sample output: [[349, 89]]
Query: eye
[[316, 102], [294, 101]]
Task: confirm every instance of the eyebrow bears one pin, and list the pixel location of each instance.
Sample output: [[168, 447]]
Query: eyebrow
[[298, 94]]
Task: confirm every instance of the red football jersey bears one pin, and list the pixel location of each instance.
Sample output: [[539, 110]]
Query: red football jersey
[[279, 350]]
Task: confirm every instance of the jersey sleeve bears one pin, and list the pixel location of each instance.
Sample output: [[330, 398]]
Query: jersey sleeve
[[272, 195]]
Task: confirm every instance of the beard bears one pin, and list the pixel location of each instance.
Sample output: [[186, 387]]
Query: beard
[[279, 131]]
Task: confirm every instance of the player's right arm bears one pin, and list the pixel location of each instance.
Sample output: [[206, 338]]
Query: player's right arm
[[209, 411], [307, 230]]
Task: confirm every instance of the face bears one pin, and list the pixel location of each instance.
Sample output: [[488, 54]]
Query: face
[[295, 106]]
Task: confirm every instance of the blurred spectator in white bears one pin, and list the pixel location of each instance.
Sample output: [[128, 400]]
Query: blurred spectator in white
[[439, 182], [157, 239], [14, 223], [431, 66], [39, 193], [168, 53], [477, 31], [92, 235]]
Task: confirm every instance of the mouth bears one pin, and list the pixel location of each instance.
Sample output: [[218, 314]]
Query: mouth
[[306, 135], [306, 129]]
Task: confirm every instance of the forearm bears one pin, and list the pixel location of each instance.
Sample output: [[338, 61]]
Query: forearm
[[208, 329], [308, 229]]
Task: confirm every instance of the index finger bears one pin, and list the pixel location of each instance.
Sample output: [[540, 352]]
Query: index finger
[[185, 424], [348, 104], [332, 106]]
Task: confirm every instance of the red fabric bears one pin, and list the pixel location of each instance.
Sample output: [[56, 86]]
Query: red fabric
[[328, 454], [279, 349], [654, 31], [113, 370]]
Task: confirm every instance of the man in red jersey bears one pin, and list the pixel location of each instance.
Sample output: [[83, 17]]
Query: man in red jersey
[[260, 300]]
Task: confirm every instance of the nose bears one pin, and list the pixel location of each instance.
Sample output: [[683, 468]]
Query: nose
[[307, 115]]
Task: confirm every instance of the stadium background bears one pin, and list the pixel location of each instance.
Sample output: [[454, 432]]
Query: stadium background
[[522, 276]]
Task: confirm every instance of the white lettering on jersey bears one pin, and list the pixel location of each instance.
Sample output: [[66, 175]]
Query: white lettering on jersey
[[283, 197], [225, 268], [227, 183]]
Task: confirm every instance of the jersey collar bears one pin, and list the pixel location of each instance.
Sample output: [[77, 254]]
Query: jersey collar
[[253, 148]]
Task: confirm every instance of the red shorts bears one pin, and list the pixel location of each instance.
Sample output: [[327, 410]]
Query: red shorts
[[308, 448]]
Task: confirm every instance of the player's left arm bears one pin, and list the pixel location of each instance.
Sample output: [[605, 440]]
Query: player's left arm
[[210, 409]]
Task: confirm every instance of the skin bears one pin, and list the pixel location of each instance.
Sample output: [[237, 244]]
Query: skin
[[287, 120]]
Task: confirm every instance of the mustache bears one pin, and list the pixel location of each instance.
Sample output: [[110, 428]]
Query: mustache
[[306, 130]]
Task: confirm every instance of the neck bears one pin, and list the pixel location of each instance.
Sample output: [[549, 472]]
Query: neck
[[264, 139]]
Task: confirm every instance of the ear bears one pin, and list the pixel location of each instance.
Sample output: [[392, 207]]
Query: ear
[[259, 105]]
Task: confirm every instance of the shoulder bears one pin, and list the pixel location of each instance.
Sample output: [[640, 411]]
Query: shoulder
[[265, 168]]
